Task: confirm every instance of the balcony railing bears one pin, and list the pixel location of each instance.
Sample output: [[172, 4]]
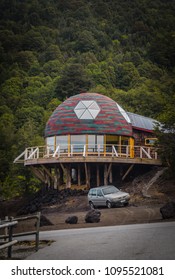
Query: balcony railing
[[84, 151]]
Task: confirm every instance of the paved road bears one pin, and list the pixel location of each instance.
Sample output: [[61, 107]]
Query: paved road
[[142, 241]]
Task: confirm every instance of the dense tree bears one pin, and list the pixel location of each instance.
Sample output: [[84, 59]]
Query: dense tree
[[50, 50], [162, 48], [7, 140], [127, 75], [86, 42], [73, 80], [166, 136]]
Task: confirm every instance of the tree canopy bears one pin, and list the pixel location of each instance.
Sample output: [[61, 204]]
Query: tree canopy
[[50, 50]]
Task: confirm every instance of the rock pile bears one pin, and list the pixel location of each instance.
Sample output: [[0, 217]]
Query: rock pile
[[93, 216], [48, 198], [71, 220], [168, 210], [44, 221]]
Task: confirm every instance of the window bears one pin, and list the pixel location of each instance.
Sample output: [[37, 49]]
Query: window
[[124, 114], [50, 142], [78, 142], [94, 141], [93, 192], [62, 141], [100, 141], [99, 193], [91, 143], [87, 110]]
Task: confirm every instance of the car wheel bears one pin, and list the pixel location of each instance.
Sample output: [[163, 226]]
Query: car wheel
[[91, 205], [108, 204], [126, 203]]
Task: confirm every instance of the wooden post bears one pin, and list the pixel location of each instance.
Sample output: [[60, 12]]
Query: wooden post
[[10, 233], [79, 175], [61, 173], [127, 172], [6, 229], [120, 146], [87, 145], [50, 177], [110, 176], [105, 175], [45, 180], [56, 178], [37, 230], [69, 145], [10, 242], [131, 145], [38, 173], [68, 176], [109, 169], [87, 175], [98, 175]]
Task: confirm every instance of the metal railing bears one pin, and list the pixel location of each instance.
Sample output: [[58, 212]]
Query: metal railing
[[81, 150]]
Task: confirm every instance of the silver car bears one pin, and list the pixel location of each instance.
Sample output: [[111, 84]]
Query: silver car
[[107, 196]]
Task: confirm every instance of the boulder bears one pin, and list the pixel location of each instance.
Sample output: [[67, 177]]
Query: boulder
[[93, 216], [168, 210], [44, 221], [71, 220]]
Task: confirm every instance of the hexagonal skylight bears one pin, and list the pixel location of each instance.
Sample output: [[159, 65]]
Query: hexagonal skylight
[[87, 110]]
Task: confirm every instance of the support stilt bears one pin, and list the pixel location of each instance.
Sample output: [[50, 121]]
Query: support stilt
[[38, 173], [87, 176], [127, 172], [98, 176], [79, 175], [56, 181], [110, 176], [105, 175], [61, 173], [68, 176]]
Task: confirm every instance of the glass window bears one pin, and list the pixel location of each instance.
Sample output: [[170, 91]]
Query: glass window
[[50, 142], [93, 192], [78, 142], [124, 114], [86, 115], [91, 143], [110, 190], [87, 109], [94, 141], [78, 139], [100, 139], [62, 141], [100, 142], [91, 139], [99, 193]]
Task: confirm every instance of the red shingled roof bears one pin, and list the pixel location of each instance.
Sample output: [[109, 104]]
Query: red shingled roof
[[88, 113]]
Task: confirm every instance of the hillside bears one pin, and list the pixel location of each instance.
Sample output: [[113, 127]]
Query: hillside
[[52, 50]]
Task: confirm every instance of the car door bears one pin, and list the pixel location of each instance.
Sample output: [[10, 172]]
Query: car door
[[100, 198], [93, 196]]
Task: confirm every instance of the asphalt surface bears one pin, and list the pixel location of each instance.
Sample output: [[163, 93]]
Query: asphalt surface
[[154, 241]]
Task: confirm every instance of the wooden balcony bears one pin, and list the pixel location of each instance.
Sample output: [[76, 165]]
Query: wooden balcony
[[89, 153]]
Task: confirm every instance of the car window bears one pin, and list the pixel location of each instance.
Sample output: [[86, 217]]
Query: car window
[[99, 193], [109, 190], [93, 192]]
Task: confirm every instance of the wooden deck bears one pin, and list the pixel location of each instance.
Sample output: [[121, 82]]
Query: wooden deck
[[106, 154], [91, 165]]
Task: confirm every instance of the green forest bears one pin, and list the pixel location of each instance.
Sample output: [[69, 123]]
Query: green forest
[[50, 50]]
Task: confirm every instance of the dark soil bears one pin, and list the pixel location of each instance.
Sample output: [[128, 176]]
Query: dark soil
[[56, 207]]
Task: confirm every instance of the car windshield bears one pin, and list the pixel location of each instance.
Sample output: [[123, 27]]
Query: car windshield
[[109, 190]]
